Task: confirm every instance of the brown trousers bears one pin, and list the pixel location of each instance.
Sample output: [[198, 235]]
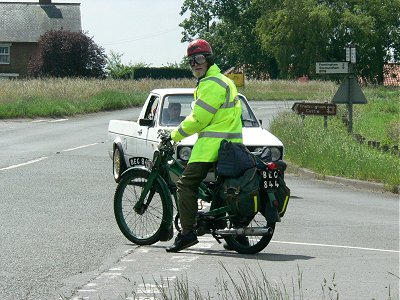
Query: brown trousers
[[187, 191]]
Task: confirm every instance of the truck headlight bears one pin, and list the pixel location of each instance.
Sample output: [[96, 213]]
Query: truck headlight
[[275, 153], [184, 153]]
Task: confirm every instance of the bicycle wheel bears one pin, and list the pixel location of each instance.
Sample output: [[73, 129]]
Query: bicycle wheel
[[253, 244], [140, 228]]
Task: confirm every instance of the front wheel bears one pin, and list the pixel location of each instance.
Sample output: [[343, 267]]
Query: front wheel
[[252, 244], [142, 227], [118, 164]]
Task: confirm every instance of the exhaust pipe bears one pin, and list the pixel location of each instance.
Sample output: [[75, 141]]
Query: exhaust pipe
[[247, 231]]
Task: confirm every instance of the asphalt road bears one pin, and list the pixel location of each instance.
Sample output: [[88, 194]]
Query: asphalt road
[[59, 239]]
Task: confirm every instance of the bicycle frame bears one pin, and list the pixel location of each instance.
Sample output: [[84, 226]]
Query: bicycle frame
[[160, 169]]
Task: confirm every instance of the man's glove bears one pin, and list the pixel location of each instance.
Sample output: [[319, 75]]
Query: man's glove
[[166, 139]]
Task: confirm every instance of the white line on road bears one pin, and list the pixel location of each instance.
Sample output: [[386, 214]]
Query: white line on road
[[49, 121], [23, 164], [58, 120], [42, 158], [79, 147], [336, 246]]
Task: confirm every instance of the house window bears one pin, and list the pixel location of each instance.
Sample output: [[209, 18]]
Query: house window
[[4, 54]]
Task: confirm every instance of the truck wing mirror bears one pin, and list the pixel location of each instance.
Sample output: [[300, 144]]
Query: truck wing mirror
[[146, 122]]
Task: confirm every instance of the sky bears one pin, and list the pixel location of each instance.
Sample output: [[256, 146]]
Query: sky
[[142, 31]]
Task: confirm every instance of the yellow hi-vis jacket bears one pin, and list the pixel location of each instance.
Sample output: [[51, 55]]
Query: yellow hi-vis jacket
[[216, 116]]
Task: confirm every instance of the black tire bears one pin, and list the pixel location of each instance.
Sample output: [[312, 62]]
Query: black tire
[[255, 243], [141, 229]]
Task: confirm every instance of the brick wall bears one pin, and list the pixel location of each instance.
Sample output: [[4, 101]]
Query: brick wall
[[20, 54]]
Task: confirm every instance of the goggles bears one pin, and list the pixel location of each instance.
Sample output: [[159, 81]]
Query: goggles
[[197, 59]]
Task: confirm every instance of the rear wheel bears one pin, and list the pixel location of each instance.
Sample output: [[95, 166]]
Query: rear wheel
[[253, 244], [143, 227]]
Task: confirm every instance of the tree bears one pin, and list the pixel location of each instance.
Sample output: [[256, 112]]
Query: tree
[[67, 54], [286, 38], [300, 32], [229, 26]]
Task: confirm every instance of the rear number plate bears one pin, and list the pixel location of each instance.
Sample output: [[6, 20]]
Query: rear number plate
[[270, 179], [135, 161]]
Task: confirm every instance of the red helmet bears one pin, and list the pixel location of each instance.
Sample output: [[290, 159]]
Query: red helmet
[[199, 46]]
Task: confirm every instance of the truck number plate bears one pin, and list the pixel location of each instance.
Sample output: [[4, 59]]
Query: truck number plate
[[135, 161]]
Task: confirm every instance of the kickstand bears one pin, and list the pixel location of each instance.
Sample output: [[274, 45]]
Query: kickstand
[[217, 238]]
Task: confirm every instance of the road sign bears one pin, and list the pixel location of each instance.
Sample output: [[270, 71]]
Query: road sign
[[321, 109], [332, 67], [349, 92], [347, 54], [351, 54], [238, 78]]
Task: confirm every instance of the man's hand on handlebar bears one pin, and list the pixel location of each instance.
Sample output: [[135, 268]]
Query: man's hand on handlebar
[[165, 139]]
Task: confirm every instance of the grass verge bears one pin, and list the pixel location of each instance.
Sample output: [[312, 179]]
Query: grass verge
[[332, 151]]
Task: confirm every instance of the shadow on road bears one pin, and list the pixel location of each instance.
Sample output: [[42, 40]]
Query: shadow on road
[[258, 256]]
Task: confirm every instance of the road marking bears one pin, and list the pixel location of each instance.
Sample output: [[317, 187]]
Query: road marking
[[118, 268], [44, 157], [148, 288], [49, 121], [80, 147], [58, 120], [24, 164], [91, 284], [335, 246], [111, 274], [205, 238], [127, 260], [204, 245], [184, 258]]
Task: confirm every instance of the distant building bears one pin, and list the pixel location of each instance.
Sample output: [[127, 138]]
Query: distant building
[[391, 74], [22, 24]]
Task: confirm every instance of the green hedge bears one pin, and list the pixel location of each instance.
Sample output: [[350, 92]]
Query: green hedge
[[152, 73], [161, 73]]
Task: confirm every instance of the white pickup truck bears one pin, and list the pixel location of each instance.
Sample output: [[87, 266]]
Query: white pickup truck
[[133, 143]]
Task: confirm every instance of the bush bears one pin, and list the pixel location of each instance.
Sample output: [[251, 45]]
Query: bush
[[64, 53]]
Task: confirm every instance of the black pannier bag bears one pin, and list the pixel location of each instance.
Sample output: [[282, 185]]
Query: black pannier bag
[[234, 159], [242, 193], [282, 194], [274, 199]]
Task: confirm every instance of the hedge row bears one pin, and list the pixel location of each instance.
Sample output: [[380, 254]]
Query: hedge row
[[153, 73]]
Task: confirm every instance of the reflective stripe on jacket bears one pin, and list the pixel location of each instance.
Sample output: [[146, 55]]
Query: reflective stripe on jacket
[[216, 116]]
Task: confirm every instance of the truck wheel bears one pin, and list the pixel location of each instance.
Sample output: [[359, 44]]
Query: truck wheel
[[118, 164]]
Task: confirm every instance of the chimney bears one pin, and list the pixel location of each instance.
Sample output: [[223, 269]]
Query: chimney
[[44, 1]]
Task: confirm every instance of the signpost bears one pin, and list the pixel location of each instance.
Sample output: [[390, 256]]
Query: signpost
[[332, 67], [320, 109], [349, 91]]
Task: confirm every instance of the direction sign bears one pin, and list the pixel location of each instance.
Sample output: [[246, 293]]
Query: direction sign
[[332, 67], [321, 109]]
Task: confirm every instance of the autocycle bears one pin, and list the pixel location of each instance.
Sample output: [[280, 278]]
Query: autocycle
[[146, 199]]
